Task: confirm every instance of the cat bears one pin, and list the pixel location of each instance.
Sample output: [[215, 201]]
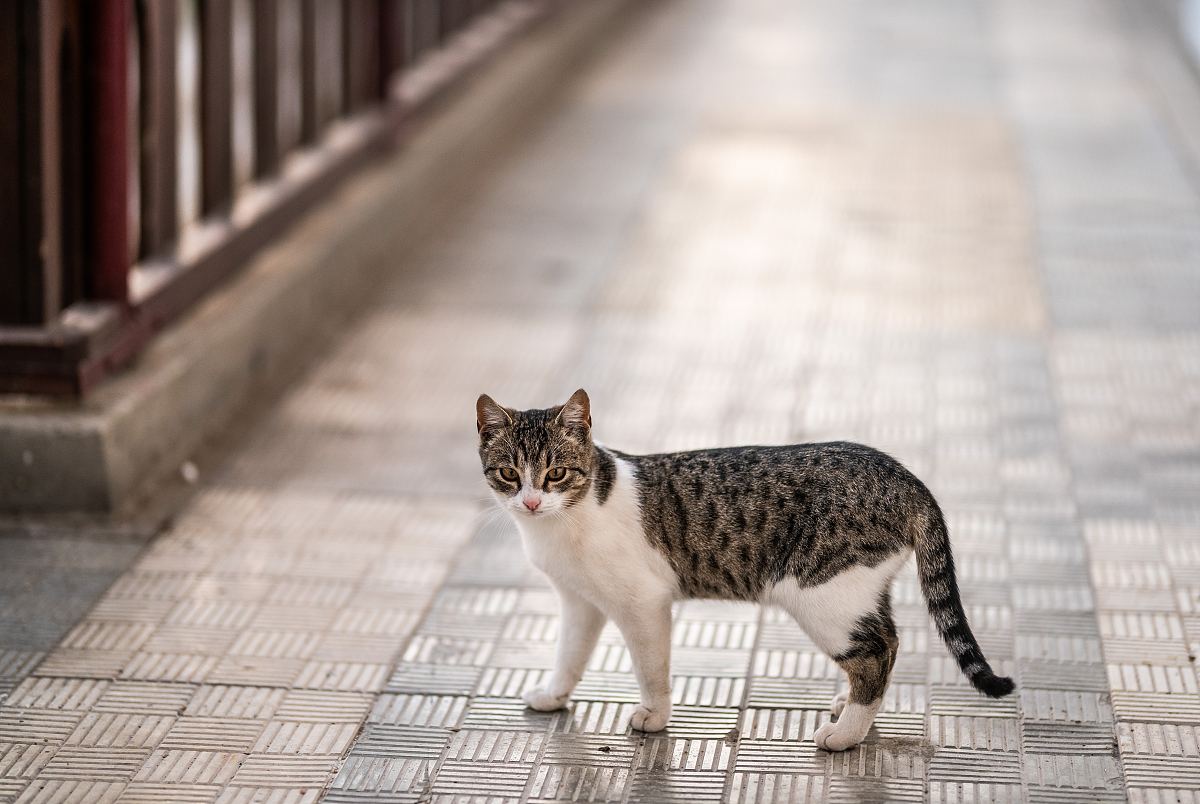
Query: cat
[[817, 529]]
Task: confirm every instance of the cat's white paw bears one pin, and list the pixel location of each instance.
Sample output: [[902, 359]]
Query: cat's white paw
[[837, 737], [839, 703], [543, 700], [645, 718]]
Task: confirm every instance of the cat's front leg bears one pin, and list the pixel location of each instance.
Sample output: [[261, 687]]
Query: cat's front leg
[[646, 626], [579, 629]]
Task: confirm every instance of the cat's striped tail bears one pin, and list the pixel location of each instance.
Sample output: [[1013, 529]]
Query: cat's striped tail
[[935, 568]]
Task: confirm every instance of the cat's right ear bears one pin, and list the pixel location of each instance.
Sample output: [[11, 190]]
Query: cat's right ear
[[577, 411], [489, 415]]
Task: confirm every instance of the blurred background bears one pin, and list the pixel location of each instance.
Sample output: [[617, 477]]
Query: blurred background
[[259, 257]]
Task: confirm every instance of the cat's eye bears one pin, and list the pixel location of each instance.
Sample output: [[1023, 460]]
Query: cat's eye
[[556, 474], [509, 474]]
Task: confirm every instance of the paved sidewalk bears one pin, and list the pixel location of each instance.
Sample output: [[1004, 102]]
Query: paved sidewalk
[[961, 232]]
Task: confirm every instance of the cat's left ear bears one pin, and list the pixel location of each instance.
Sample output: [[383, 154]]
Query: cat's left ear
[[489, 415], [577, 411]]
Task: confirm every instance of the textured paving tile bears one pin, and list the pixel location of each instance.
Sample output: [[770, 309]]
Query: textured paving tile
[[960, 233], [240, 687], [46, 585]]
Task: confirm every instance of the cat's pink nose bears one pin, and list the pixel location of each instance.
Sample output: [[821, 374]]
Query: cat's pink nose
[[532, 503]]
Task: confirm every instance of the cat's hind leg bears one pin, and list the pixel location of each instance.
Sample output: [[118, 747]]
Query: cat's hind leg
[[849, 617], [868, 663]]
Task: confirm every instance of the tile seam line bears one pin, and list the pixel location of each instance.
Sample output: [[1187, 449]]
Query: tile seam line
[[1049, 336], [1085, 549], [987, 20], [527, 790], [727, 788], [1155, 96]]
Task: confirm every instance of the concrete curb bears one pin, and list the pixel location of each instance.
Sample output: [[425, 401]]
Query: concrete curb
[[243, 342]]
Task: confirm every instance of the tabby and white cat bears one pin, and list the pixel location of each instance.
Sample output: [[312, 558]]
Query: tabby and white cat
[[818, 529]]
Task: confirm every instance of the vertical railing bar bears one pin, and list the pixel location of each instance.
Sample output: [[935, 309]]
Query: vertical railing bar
[[12, 233], [52, 25], [70, 154], [391, 44], [216, 87], [266, 88], [349, 56], [108, 203], [22, 278], [160, 197], [417, 29], [433, 13], [242, 102], [448, 21], [410, 26], [370, 20], [309, 117], [361, 55]]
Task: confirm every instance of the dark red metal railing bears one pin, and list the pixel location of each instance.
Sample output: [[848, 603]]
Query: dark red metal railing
[[109, 213], [133, 133]]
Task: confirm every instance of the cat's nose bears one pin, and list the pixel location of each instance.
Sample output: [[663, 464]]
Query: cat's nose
[[532, 503]]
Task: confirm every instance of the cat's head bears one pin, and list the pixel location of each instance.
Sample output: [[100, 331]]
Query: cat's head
[[537, 462]]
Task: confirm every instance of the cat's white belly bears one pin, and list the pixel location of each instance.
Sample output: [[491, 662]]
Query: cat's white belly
[[830, 611], [599, 551]]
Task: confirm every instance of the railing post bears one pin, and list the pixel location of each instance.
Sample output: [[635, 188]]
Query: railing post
[[361, 52], [391, 43], [266, 88], [216, 87], [160, 196], [52, 65], [22, 270], [72, 97], [108, 210], [426, 26], [310, 122]]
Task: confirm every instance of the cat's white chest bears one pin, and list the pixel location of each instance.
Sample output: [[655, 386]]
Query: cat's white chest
[[599, 551], [552, 547], [560, 555]]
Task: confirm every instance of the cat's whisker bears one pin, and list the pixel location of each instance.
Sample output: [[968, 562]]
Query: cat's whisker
[[493, 516]]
